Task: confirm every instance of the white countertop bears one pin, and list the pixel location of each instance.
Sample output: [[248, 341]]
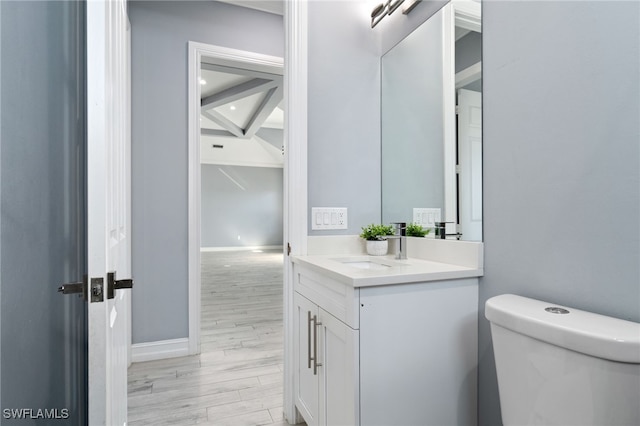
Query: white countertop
[[398, 271]]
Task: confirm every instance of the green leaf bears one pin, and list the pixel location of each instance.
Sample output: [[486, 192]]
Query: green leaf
[[376, 231]]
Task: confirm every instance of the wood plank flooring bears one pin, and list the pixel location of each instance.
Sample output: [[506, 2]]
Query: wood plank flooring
[[237, 379]]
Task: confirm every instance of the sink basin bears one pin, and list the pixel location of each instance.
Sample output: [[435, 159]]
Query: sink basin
[[366, 264]]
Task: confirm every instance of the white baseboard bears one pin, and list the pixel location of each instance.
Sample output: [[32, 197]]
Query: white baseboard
[[161, 349], [203, 249]]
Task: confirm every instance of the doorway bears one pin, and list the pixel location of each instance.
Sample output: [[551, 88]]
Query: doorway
[[236, 265], [236, 159], [256, 68], [241, 231]]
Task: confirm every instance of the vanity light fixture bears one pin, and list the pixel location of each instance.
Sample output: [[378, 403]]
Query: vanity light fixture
[[388, 7], [382, 10]]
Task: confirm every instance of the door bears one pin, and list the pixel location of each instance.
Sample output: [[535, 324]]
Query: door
[[64, 179], [340, 378], [108, 209], [42, 219], [470, 164], [305, 344]]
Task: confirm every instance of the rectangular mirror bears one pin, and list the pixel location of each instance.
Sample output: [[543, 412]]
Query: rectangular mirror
[[431, 156]]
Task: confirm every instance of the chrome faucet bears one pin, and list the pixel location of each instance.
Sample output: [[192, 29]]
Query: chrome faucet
[[441, 231], [401, 236]]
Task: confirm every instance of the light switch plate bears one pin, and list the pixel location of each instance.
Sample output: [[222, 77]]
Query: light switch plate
[[426, 217], [323, 218]]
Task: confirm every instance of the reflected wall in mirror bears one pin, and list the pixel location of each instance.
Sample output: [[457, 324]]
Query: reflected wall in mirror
[[431, 159], [413, 123]]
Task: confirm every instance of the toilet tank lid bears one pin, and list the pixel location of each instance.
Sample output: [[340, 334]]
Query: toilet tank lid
[[592, 334]]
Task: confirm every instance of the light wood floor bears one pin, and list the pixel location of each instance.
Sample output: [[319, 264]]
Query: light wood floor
[[237, 379]]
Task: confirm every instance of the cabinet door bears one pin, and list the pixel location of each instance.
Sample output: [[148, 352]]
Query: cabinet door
[[306, 382], [339, 372]]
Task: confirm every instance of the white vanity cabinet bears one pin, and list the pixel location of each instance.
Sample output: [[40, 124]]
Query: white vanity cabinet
[[326, 365], [385, 354]]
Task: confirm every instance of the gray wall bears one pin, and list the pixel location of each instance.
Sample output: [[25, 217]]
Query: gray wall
[[160, 32], [245, 211], [561, 161], [344, 113], [42, 225], [344, 104]]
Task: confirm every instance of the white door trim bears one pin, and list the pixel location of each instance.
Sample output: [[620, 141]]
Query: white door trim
[[295, 175], [227, 57]]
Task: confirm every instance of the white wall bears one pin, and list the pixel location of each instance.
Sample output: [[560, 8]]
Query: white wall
[[160, 33], [561, 138]]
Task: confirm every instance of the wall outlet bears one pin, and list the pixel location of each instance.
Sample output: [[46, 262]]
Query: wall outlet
[[426, 217], [323, 218]]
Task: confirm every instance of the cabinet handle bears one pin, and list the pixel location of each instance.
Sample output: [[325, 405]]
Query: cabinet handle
[[309, 339], [316, 364]]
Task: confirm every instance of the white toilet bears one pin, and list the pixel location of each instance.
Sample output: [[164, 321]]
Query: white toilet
[[563, 366]]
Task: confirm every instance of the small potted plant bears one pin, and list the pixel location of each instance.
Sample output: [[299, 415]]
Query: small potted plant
[[415, 230], [375, 236]]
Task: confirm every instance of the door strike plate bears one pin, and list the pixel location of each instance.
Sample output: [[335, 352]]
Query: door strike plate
[[97, 289]]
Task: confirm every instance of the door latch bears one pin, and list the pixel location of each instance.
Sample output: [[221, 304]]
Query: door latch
[[113, 284], [97, 289]]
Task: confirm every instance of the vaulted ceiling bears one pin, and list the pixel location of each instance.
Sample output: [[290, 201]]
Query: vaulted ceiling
[[241, 116], [241, 111]]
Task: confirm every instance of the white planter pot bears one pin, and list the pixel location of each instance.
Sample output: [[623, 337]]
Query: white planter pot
[[377, 247]]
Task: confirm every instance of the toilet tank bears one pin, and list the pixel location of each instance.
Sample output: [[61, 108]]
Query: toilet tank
[[563, 366]]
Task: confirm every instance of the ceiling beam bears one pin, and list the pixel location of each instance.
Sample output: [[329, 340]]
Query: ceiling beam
[[240, 91], [240, 71], [469, 75], [264, 110], [216, 132], [227, 124]]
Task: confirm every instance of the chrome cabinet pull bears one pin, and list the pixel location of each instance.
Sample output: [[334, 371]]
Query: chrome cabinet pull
[[309, 339], [316, 364], [313, 358]]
